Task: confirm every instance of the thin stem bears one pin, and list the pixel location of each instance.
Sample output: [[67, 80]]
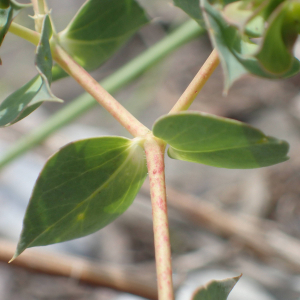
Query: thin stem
[[155, 149], [41, 7], [112, 84], [25, 33], [39, 12], [35, 6], [197, 83], [125, 118]]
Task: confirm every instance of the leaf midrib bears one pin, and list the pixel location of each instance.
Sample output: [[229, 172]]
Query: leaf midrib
[[229, 148], [117, 171]]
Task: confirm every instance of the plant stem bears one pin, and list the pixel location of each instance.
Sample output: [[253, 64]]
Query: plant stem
[[39, 12], [121, 114], [113, 83], [197, 83], [25, 33], [35, 6], [41, 7], [155, 149]]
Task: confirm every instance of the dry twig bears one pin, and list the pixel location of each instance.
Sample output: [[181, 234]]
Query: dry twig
[[123, 278]]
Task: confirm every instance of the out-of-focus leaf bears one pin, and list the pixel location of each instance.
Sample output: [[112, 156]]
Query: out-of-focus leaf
[[294, 15], [275, 53], [8, 11], [82, 188], [58, 73], [4, 4], [218, 142], [192, 8], [26, 99], [236, 51], [216, 289], [100, 28], [244, 19]]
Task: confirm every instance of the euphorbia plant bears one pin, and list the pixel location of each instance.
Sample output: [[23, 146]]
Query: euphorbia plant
[[89, 183]]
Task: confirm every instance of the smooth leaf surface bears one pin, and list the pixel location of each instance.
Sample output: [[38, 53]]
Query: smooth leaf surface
[[8, 11], [236, 51], [30, 96], [192, 8], [82, 188], [244, 19], [100, 28], [216, 289], [4, 4], [219, 142], [275, 54]]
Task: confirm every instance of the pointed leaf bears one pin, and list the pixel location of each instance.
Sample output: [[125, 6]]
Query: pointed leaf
[[192, 8], [100, 28], [30, 96], [216, 289], [235, 50], [218, 142], [82, 188]]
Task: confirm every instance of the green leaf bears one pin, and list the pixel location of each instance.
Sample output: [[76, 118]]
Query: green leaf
[[219, 142], [275, 53], [216, 289], [58, 73], [192, 8], [82, 188], [235, 50], [244, 19], [30, 96], [8, 11], [4, 4], [100, 28]]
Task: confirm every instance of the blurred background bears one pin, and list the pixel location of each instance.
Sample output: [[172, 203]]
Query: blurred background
[[222, 222]]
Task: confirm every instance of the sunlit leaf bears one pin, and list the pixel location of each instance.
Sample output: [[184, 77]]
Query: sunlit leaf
[[236, 51], [26, 99], [100, 28], [82, 188], [8, 11], [216, 289], [192, 8], [219, 142]]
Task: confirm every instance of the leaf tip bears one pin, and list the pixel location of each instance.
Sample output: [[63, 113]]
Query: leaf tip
[[55, 99], [237, 278], [14, 257]]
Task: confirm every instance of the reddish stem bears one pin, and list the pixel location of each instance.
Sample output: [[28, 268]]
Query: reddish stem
[[197, 83], [155, 149], [125, 118]]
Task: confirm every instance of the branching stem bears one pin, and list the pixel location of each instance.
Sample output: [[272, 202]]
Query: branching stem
[[123, 116], [197, 83], [155, 149]]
